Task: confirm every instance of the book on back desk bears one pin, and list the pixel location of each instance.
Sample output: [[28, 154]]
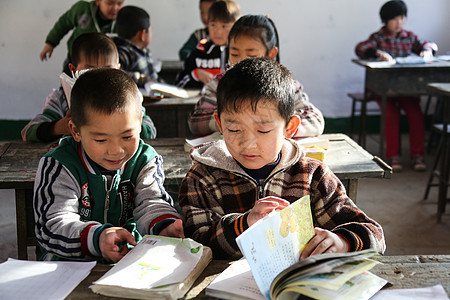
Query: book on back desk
[[157, 268]]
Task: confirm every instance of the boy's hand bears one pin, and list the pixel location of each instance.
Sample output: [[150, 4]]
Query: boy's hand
[[265, 206], [174, 230], [427, 54], [109, 240], [325, 241], [46, 52], [204, 76], [61, 127], [384, 56]]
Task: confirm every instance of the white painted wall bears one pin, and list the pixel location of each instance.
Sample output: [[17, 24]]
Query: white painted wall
[[317, 42]]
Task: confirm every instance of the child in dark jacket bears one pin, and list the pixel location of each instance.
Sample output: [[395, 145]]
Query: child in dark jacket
[[210, 56]]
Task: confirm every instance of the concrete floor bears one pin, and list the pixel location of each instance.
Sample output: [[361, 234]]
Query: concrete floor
[[409, 223]]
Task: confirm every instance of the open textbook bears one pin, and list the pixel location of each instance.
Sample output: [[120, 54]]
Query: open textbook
[[168, 90], [157, 267], [272, 248]]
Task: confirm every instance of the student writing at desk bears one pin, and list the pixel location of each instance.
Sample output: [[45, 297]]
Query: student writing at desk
[[103, 185], [256, 168], [253, 36], [89, 50], [389, 42]]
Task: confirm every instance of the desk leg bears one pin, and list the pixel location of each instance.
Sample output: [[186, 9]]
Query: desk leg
[[21, 224], [382, 126], [444, 172], [182, 122], [352, 189]]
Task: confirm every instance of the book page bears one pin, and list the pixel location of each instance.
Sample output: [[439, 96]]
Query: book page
[[236, 281], [154, 261], [285, 233], [46, 280]]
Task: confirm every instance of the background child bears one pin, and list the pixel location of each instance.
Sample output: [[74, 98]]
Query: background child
[[103, 183], [199, 34], [82, 17], [89, 50], [256, 168], [135, 34], [389, 42], [253, 36], [210, 56]]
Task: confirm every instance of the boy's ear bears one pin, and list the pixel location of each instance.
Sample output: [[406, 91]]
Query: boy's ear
[[74, 131], [292, 126], [216, 116], [273, 52], [72, 68]]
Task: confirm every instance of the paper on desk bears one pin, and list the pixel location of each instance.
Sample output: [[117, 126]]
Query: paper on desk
[[236, 280], [436, 292], [23, 279]]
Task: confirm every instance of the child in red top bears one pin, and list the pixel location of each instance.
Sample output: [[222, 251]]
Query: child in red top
[[389, 42]]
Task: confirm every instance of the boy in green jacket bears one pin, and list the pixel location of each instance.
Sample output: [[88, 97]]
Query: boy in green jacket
[[82, 17], [102, 187]]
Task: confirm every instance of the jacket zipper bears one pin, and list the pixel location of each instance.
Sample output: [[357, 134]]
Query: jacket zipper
[[107, 200]]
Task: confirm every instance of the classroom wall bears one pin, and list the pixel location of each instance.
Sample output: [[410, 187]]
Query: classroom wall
[[317, 42]]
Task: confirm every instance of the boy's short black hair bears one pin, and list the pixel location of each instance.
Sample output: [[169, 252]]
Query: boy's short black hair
[[93, 45], [130, 20], [253, 80], [392, 9], [103, 90], [226, 11]]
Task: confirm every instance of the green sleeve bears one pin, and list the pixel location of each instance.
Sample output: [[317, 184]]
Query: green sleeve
[[66, 22], [190, 45]]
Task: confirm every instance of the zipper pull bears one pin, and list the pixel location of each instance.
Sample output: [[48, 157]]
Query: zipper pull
[[260, 189]]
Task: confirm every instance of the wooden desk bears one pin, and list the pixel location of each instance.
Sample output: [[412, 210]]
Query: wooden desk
[[170, 115], [443, 91], [400, 80], [19, 161], [402, 272]]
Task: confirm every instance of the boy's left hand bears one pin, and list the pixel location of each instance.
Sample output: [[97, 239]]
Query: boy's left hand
[[174, 230], [324, 241]]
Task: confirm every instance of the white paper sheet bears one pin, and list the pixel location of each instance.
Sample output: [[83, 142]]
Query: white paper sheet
[[22, 279], [436, 292]]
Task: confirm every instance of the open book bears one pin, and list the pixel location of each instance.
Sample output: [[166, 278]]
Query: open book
[[157, 267], [168, 90], [272, 248]]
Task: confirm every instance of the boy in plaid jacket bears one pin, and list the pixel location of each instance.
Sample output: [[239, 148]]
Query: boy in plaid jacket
[[257, 168]]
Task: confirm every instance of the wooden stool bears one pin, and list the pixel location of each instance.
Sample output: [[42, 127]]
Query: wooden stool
[[441, 154], [362, 111]]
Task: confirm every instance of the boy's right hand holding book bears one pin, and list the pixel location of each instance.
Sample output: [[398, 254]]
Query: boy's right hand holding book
[[265, 206], [325, 241]]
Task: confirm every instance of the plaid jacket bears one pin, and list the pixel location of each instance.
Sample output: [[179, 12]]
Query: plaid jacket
[[201, 121], [216, 196], [404, 44], [136, 62]]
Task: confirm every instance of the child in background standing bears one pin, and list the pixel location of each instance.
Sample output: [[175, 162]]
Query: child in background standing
[[389, 42], [210, 56], [134, 35], [253, 36], [82, 17], [199, 34], [256, 168], [89, 50], [103, 185]]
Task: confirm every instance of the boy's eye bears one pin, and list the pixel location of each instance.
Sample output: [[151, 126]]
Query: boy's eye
[[127, 137], [264, 131], [99, 141], [233, 131]]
